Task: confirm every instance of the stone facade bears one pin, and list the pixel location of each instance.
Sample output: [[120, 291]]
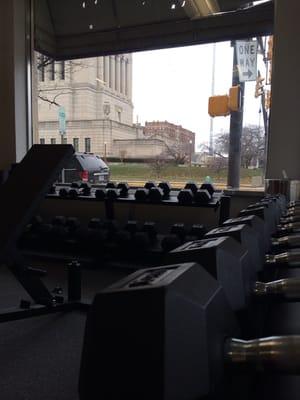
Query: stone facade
[[96, 94]]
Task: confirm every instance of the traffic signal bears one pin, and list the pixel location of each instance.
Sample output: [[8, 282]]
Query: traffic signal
[[234, 102], [259, 87], [218, 106]]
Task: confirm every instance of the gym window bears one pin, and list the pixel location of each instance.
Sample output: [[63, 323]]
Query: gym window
[[76, 144], [87, 145]]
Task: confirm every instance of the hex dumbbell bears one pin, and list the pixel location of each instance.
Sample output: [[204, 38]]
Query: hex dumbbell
[[171, 328]]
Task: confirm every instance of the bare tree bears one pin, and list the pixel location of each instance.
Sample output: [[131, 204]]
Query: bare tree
[[45, 65], [252, 145], [158, 165], [176, 153], [122, 154]]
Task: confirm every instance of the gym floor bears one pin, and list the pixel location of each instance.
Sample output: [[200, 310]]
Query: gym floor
[[40, 357]]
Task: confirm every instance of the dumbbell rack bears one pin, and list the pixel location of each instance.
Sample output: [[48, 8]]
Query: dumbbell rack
[[218, 202]]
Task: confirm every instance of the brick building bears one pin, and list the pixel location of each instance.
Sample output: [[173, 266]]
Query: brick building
[[175, 136]]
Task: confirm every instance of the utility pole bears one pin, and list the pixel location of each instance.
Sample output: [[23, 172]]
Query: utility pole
[[236, 128], [211, 131]]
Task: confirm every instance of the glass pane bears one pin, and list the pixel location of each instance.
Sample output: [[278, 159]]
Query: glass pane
[[146, 113]]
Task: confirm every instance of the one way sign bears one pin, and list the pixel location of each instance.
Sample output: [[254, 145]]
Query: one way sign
[[246, 52]]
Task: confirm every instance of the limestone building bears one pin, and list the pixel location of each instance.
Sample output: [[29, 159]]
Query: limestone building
[[96, 94]]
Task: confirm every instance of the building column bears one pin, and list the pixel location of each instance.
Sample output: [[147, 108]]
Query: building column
[[123, 74], [106, 70], [112, 72], [130, 78], [126, 77], [118, 74], [100, 68], [15, 110]]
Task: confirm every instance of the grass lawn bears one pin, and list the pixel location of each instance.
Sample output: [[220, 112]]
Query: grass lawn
[[144, 172]]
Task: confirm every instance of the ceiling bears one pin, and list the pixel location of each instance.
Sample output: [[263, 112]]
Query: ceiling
[[81, 28]]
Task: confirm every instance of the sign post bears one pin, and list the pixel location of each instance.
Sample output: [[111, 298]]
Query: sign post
[[246, 52], [62, 120]]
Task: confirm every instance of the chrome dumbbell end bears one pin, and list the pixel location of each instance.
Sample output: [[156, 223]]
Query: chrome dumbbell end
[[284, 288], [270, 259], [260, 289], [276, 353]]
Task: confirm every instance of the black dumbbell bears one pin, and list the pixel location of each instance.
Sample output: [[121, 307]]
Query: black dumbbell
[[73, 193], [209, 187], [123, 188], [85, 185], [52, 189], [150, 228], [226, 260], [166, 188], [179, 230], [75, 185], [202, 197], [185, 196], [155, 195], [141, 195], [112, 194], [131, 227], [141, 241], [35, 223], [72, 223], [246, 236], [198, 231], [192, 186], [150, 184], [123, 239], [170, 242], [59, 220], [111, 185], [63, 193], [185, 314], [258, 227], [100, 194], [111, 227], [85, 191], [95, 223]]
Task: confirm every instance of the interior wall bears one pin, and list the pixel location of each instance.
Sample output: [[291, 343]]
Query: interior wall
[[284, 140], [13, 82]]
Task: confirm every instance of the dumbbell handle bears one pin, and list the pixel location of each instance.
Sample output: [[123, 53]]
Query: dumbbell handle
[[291, 227], [292, 258], [276, 353], [288, 241], [289, 219], [287, 288]]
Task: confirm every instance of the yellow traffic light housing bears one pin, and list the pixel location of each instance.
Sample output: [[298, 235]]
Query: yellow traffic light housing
[[234, 102], [218, 106]]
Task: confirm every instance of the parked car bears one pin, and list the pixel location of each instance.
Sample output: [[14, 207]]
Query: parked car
[[85, 167]]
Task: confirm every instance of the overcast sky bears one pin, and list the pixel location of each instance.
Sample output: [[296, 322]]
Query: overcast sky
[[175, 85]]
